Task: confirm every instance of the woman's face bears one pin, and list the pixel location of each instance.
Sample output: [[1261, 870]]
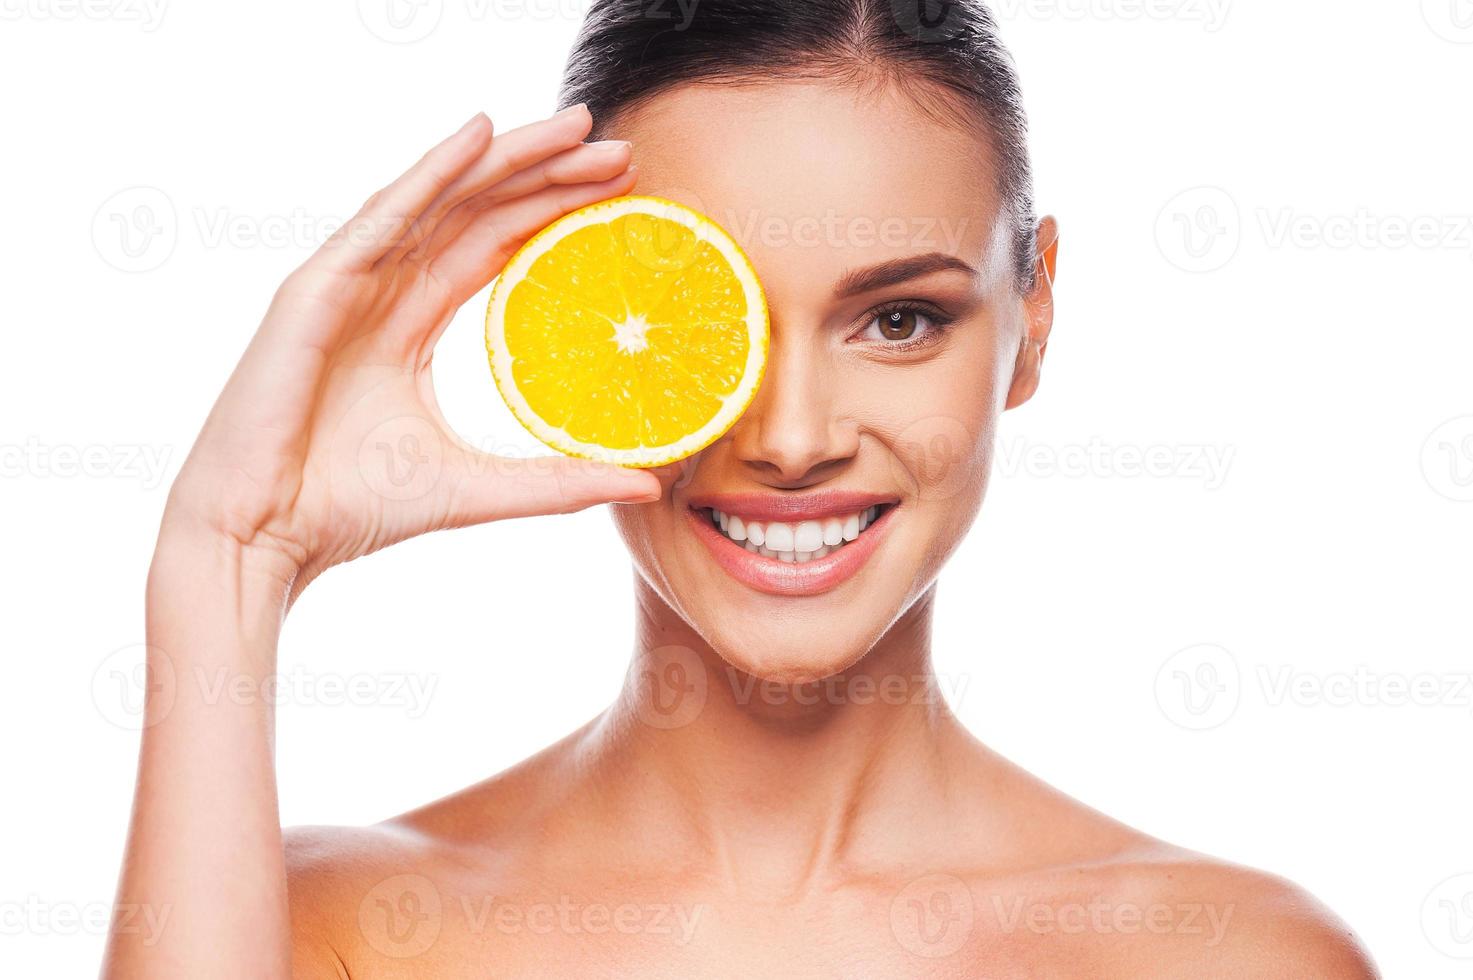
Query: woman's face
[[899, 334]]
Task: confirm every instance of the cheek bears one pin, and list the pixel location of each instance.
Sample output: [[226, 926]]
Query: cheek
[[651, 533], [937, 421], [638, 528]]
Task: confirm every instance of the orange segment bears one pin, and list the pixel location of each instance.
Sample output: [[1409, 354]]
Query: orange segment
[[632, 331]]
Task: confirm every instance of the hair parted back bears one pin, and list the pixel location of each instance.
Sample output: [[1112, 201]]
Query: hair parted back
[[947, 56]]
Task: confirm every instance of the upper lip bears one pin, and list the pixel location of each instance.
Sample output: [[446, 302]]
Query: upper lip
[[789, 506]]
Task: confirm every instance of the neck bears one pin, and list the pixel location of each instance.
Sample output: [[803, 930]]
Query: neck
[[777, 787]]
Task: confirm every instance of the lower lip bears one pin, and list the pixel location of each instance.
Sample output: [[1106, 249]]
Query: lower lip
[[790, 578]]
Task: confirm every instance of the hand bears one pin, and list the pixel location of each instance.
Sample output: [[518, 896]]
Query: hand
[[327, 443]]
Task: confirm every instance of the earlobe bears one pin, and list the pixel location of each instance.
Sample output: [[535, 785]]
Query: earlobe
[[1025, 373], [1038, 309]]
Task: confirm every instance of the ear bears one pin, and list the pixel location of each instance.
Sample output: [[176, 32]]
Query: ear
[[1038, 315]]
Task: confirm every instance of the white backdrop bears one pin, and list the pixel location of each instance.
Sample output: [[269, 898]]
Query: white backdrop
[[1220, 588]]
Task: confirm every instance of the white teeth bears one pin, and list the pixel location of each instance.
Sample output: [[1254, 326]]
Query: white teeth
[[780, 536], [808, 536], [800, 542]]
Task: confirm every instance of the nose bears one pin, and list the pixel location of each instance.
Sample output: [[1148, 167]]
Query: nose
[[794, 433]]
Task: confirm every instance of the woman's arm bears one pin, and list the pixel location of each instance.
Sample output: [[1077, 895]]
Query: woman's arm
[[325, 445], [205, 850]]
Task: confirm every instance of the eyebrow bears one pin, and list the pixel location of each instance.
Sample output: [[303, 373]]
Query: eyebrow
[[898, 271]]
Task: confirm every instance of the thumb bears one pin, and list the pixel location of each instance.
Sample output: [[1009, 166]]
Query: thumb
[[494, 488]]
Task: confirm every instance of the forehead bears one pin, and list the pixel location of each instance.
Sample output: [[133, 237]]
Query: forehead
[[815, 178]]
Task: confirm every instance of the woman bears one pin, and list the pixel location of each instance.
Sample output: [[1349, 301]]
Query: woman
[[778, 790]]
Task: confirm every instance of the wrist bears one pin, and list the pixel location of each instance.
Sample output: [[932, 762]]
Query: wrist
[[194, 568]]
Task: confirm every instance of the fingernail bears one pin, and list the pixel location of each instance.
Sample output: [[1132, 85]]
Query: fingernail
[[607, 145], [571, 109], [472, 121], [643, 498]]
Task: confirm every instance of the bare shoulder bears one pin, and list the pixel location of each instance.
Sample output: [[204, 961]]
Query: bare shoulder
[[1089, 894], [346, 886], [380, 899], [1160, 911], [1271, 926]]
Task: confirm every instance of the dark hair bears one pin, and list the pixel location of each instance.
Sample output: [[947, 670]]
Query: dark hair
[[629, 51]]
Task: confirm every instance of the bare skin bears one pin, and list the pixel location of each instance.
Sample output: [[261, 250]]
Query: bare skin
[[780, 789]]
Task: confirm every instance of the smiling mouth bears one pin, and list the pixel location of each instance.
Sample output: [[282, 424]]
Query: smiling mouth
[[797, 542]]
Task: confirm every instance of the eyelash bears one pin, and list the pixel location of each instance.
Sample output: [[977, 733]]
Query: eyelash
[[938, 324]]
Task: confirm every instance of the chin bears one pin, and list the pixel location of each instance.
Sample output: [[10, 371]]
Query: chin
[[807, 651]]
